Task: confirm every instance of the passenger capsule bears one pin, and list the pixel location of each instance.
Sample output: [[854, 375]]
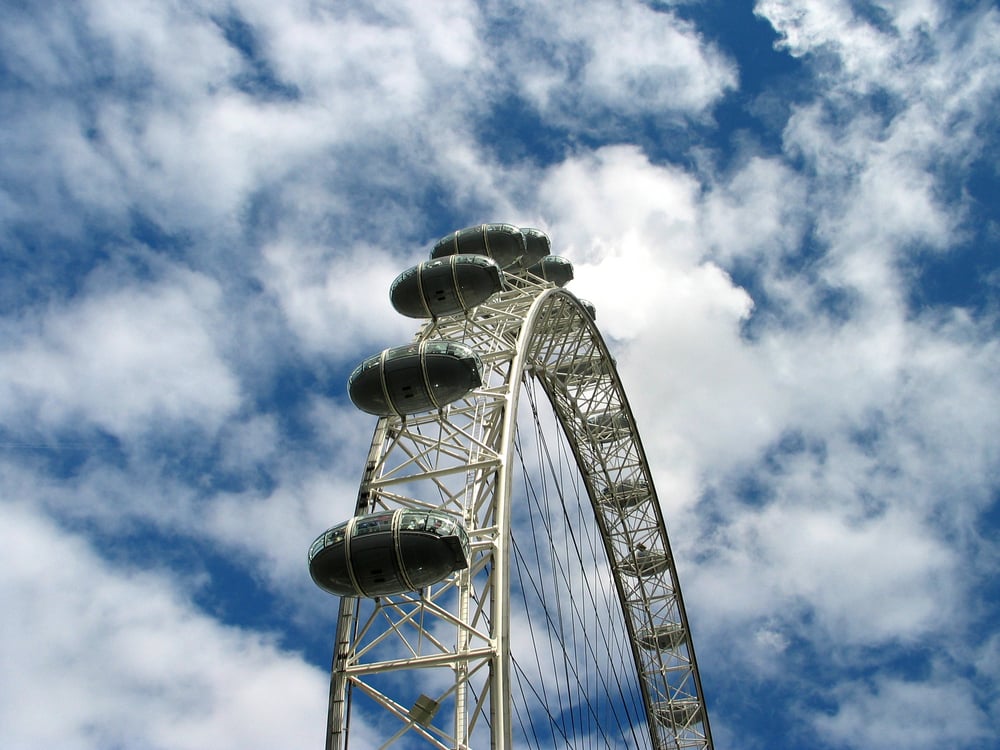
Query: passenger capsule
[[589, 366], [669, 635], [589, 307], [627, 494], [445, 286], [502, 242], [609, 426], [415, 378], [390, 552], [647, 562], [677, 713], [553, 268], [537, 246]]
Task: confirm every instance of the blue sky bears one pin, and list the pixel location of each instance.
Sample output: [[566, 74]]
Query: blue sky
[[786, 213]]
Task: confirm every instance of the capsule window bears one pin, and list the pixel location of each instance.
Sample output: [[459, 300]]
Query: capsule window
[[373, 525], [333, 536], [316, 547], [443, 527], [414, 521]]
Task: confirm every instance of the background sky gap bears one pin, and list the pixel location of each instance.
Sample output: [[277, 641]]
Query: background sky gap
[[786, 213]]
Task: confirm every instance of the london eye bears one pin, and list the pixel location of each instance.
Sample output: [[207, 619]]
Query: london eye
[[506, 580]]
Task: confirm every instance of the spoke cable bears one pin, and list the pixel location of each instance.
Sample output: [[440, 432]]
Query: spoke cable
[[576, 629], [625, 655]]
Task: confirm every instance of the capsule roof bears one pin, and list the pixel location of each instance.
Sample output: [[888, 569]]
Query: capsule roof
[[537, 245], [553, 268], [511, 247]]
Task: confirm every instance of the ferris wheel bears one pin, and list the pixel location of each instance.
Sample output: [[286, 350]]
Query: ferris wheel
[[506, 580]]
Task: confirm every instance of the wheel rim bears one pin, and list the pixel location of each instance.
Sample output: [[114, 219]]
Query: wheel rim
[[436, 666]]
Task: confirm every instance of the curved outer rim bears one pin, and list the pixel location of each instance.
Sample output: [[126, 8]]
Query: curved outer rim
[[533, 335], [566, 419]]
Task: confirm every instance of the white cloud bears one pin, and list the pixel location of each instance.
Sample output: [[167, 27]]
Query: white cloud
[[172, 133], [633, 231], [45, 49], [891, 713], [125, 360], [866, 41], [96, 657], [337, 303], [373, 62], [858, 581], [298, 210], [175, 45], [759, 213], [620, 57], [594, 201]]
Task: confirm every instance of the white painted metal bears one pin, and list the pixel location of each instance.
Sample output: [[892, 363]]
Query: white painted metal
[[438, 660]]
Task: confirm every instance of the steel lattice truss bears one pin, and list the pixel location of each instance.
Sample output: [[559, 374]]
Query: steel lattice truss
[[457, 460]]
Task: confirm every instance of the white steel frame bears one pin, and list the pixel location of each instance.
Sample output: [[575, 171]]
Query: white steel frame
[[449, 642]]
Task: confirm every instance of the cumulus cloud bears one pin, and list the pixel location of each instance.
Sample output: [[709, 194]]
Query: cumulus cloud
[[758, 213], [124, 360], [592, 200], [859, 581], [888, 713], [336, 303], [125, 659], [620, 59], [823, 445]]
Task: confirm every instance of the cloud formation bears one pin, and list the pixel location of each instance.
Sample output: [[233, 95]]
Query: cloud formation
[[788, 225], [98, 656]]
